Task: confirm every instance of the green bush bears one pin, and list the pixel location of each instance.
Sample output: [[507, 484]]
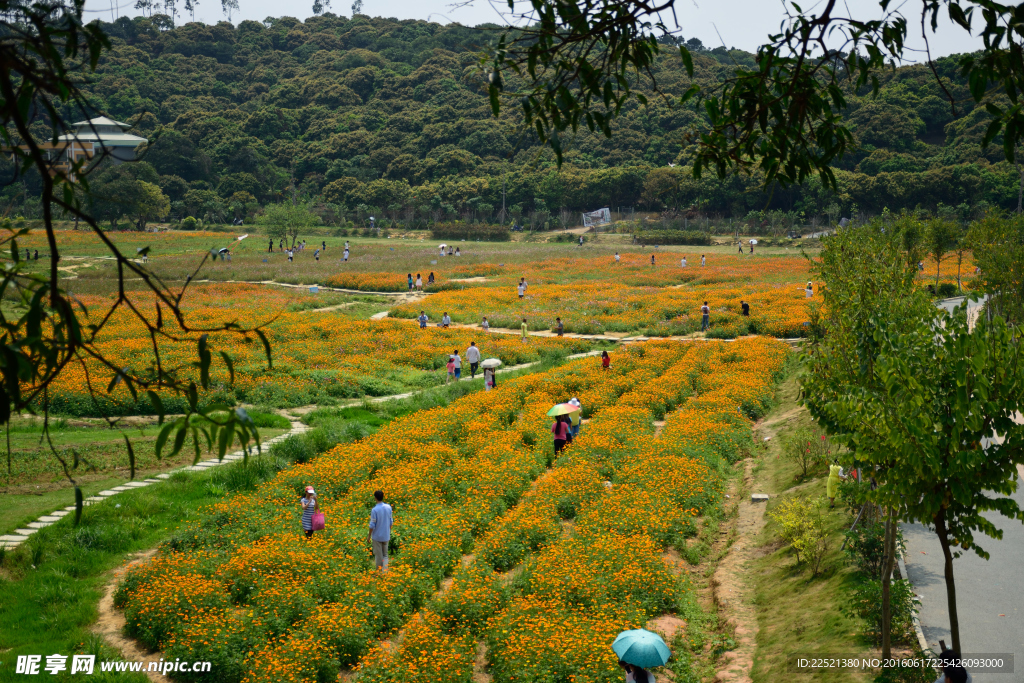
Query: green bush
[[866, 603], [947, 289], [189, 223], [692, 237], [457, 230]]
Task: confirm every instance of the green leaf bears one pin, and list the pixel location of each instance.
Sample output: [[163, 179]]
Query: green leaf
[[266, 347], [131, 456]]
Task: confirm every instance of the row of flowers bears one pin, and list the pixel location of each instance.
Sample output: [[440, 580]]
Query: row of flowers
[[547, 557]]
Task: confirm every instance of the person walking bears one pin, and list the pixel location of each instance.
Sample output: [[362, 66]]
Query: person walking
[[410, 281], [458, 365], [809, 291], [746, 308], [423, 320], [652, 259], [451, 370], [270, 248], [741, 246], [524, 328], [576, 418], [559, 327], [473, 358], [323, 245], [485, 325], [445, 320], [703, 261], [560, 431], [309, 506], [682, 263], [345, 255], [419, 283], [316, 254], [751, 247], [705, 316], [606, 361], [381, 521], [835, 473], [616, 257], [488, 378], [521, 288]]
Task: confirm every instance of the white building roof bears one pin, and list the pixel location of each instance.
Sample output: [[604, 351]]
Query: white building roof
[[105, 131], [101, 121]]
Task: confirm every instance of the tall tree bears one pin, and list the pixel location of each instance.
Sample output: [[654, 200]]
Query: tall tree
[[918, 397]]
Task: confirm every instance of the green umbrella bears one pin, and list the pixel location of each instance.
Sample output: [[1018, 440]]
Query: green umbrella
[[641, 648], [563, 409]]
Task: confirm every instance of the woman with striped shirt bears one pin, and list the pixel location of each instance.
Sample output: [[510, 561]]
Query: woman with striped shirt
[[308, 501]]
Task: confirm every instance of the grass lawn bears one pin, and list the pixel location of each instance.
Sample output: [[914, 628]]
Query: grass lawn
[[798, 613]]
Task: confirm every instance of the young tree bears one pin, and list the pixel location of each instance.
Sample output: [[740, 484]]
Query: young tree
[[997, 244], [286, 221], [918, 398], [941, 237]]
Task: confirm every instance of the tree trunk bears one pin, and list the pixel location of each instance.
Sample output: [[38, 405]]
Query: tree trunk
[[890, 552], [954, 621]]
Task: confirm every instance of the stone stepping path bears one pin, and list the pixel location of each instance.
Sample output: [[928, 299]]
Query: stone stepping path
[[19, 536]]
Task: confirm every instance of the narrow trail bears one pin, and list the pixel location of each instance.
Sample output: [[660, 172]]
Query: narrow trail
[[111, 621]]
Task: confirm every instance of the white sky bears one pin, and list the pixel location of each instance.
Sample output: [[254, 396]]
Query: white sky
[[744, 24]]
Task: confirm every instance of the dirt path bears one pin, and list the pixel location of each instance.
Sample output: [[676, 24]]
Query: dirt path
[[111, 620], [730, 589]]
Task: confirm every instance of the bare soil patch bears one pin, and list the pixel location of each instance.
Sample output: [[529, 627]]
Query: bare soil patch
[[111, 621]]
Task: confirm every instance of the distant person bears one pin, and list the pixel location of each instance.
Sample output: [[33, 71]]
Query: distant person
[[323, 245], [451, 370], [281, 245], [381, 521], [920, 265], [270, 247], [423, 320], [316, 254], [705, 317], [290, 255], [345, 255], [560, 432], [450, 252], [741, 247], [559, 327], [346, 244], [575, 419], [458, 252], [682, 263], [616, 257], [430, 279], [35, 254], [473, 358], [458, 365], [652, 259], [809, 291], [526, 285], [581, 240], [485, 325], [703, 261], [488, 378], [442, 250], [751, 247], [606, 361], [746, 308], [409, 276], [835, 473], [419, 283], [303, 245], [524, 328], [446, 320], [309, 506], [521, 288]]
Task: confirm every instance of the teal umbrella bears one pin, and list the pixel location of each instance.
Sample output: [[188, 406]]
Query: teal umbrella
[[641, 648]]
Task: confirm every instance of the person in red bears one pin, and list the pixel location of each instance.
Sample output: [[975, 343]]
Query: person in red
[[561, 432], [606, 361]]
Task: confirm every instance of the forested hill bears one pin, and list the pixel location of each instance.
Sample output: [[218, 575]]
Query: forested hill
[[392, 115]]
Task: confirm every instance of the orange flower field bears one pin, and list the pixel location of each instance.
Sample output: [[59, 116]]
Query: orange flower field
[[496, 541], [317, 357]]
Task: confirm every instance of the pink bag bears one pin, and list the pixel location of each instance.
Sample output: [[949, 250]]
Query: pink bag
[[318, 521]]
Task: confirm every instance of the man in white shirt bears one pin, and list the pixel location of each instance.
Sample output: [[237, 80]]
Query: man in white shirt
[[521, 288], [473, 358], [445, 320], [380, 530]]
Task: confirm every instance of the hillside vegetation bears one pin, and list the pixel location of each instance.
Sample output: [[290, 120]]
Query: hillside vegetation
[[364, 114]]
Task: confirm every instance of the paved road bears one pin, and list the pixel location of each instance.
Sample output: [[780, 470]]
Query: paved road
[[984, 589]]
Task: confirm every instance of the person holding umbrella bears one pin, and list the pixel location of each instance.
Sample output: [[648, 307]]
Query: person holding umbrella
[[489, 367], [639, 650]]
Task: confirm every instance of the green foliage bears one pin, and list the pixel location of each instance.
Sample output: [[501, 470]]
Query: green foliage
[[998, 249], [287, 220], [808, 447], [866, 603], [803, 528], [865, 546], [469, 231], [694, 237]]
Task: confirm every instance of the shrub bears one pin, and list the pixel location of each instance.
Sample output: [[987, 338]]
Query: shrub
[[865, 546], [866, 603], [188, 223], [693, 237], [458, 230], [803, 529], [808, 447], [947, 289]]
